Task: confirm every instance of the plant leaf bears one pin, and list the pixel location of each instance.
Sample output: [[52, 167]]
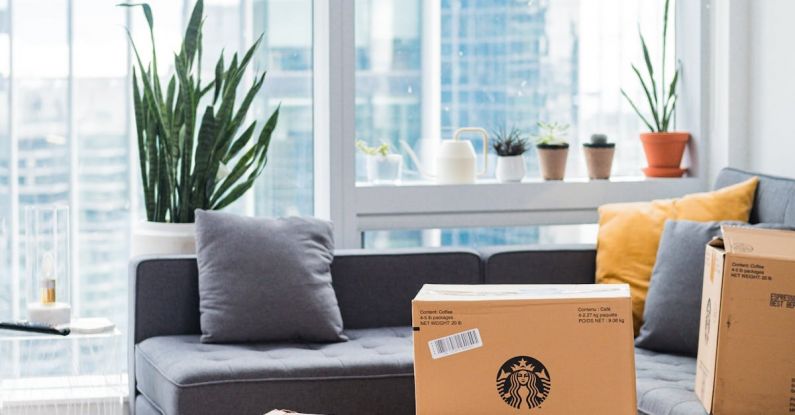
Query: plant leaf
[[192, 33], [652, 104], [650, 70], [634, 107]]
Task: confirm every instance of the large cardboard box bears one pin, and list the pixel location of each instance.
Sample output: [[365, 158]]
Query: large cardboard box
[[524, 349], [746, 350]]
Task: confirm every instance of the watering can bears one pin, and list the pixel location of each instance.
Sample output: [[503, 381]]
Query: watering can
[[455, 159]]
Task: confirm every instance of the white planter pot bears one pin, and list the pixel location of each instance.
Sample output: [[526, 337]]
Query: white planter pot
[[156, 238], [510, 169], [384, 169]]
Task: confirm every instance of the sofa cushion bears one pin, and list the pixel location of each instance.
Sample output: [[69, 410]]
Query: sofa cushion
[[264, 279], [673, 306], [629, 233], [539, 264], [775, 196], [375, 287], [665, 384], [371, 373]]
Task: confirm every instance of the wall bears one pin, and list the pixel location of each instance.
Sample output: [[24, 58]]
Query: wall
[[771, 87]]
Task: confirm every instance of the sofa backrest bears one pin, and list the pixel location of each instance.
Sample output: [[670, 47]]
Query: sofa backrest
[[775, 196], [375, 287]]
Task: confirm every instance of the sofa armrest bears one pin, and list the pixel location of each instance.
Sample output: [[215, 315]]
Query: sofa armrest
[[164, 297], [539, 264]]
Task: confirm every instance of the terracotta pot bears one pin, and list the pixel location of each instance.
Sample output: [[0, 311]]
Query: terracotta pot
[[664, 150], [553, 162], [599, 161]]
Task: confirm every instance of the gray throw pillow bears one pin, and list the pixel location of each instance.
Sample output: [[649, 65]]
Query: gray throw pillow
[[673, 303], [265, 279]]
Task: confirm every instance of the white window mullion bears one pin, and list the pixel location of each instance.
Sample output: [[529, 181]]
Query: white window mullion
[[74, 163], [13, 164], [246, 10]]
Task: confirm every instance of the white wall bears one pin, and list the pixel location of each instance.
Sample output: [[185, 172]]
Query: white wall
[[752, 82], [771, 87]]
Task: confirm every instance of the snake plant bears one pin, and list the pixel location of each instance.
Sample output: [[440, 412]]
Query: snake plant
[[189, 161], [661, 102]]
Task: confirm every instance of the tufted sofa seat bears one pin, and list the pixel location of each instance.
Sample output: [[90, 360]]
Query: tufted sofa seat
[[186, 376]]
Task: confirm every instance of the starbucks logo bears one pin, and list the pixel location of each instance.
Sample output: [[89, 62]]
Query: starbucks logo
[[523, 382]]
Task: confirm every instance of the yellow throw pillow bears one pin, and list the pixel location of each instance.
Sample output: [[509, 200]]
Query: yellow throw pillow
[[629, 233]]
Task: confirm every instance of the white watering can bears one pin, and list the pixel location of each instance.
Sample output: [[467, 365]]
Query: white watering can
[[455, 160]]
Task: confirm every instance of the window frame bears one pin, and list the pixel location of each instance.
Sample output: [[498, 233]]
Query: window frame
[[357, 209]]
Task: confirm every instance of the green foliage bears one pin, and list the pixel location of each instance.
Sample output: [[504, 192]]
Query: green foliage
[[508, 143], [189, 161], [552, 134], [382, 150], [661, 101]]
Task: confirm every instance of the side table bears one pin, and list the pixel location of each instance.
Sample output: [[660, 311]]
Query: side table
[[74, 374]]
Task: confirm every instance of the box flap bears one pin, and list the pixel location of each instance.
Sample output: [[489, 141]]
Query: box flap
[[486, 292], [771, 243]]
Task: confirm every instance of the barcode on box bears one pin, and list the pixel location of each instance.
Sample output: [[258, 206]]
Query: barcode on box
[[455, 343]]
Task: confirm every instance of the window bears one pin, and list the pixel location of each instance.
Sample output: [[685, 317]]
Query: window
[[427, 67], [72, 142], [481, 237]]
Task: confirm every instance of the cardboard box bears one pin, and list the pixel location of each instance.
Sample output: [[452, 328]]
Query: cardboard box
[[746, 350], [524, 349]]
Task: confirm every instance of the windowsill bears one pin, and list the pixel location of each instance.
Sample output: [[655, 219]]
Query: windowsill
[[416, 205], [537, 180]]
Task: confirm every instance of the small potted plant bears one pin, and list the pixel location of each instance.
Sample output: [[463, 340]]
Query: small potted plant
[[599, 156], [553, 150], [382, 166], [510, 147], [663, 148]]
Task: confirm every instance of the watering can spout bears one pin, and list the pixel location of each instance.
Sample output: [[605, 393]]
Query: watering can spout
[[415, 160]]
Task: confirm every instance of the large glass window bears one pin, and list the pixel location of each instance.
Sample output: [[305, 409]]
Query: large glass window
[[428, 67], [425, 68], [73, 137]]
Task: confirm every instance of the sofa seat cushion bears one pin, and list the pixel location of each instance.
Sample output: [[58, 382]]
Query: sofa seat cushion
[[665, 384], [180, 375]]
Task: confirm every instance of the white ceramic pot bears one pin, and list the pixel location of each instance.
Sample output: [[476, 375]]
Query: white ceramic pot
[[510, 168], [156, 238], [384, 169]]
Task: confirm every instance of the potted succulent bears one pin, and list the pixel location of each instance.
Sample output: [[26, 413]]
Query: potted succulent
[[553, 150], [664, 148], [382, 166], [510, 147], [599, 156], [190, 159]]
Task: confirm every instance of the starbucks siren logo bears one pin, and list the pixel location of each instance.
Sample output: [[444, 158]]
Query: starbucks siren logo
[[523, 382]]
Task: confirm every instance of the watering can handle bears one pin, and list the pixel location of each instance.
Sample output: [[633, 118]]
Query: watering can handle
[[485, 136]]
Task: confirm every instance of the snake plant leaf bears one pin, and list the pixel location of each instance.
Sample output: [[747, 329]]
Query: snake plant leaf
[[191, 43], [150, 20], [219, 77], [239, 143], [659, 98], [180, 152], [652, 104], [637, 111], [240, 168], [670, 111], [650, 70]]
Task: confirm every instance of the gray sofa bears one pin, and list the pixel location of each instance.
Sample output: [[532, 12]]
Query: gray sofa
[[171, 372]]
